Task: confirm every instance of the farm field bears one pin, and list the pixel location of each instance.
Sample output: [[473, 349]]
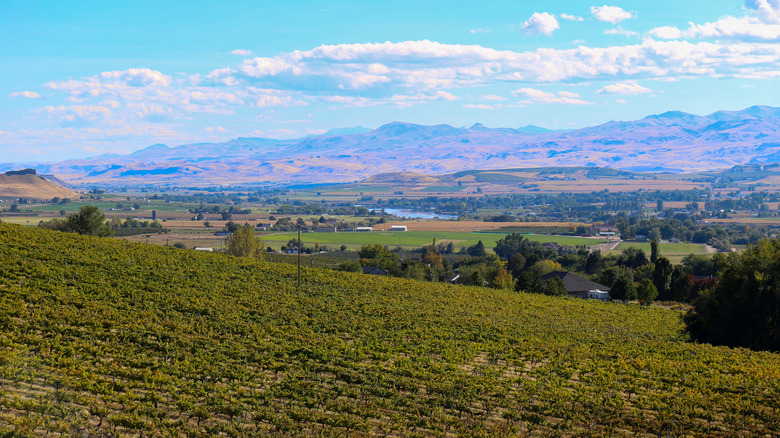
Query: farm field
[[441, 225], [105, 337], [675, 252], [417, 238]]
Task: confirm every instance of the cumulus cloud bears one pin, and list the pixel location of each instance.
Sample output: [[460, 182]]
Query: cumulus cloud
[[621, 31], [610, 14], [241, 52], [628, 87], [762, 24], [25, 94], [390, 74], [571, 17], [744, 28], [533, 95], [493, 97], [768, 11], [541, 23], [479, 30]]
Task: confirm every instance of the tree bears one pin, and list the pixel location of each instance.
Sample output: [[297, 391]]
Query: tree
[[681, 286], [654, 250], [744, 308], [88, 220], [646, 292], [431, 257], [516, 264], [477, 250], [244, 243], [633, 257], [662, 277], [503, 280], [594, 263], [509, 245], [554, 287], [623, 289], [231, 227], [378, 255]]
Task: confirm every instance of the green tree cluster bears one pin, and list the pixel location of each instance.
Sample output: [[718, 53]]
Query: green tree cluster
[[743, 310], [244, 243], [88, 220]]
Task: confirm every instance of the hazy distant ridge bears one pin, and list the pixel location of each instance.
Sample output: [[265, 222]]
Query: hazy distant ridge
[[670, 141]]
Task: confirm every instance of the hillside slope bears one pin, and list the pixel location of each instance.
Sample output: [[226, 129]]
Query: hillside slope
[[103, 337], [32, 186]]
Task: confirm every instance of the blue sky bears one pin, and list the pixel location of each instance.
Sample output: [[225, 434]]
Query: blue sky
[[84, 78]]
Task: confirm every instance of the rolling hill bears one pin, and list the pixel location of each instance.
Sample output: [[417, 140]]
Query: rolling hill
[[673, 141], [104, 337], [27, 184]]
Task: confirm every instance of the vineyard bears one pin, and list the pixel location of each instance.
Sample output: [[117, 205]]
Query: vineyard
[[103, 338]]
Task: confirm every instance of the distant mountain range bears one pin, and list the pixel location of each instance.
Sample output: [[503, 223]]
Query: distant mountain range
[[673, 141]]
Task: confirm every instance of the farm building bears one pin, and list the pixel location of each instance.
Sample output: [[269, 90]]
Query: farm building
[[326, 228], [204, 248], [398, 228], [364, 229], [374, 270], [580, 287]]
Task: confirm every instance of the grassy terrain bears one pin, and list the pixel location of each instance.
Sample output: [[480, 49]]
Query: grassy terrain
[[107, 338], [675, 252], [415, 238]]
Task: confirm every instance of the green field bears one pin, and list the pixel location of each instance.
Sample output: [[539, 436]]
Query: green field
[[675, 252], [415, 238], [443, 189], [108, 338]]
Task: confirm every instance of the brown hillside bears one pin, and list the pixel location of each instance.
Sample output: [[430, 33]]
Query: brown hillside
[[32, 186]]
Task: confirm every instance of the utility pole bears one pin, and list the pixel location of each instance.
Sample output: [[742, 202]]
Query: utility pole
[[299, 256]]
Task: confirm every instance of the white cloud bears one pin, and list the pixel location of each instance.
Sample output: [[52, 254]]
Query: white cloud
[[478, 106], [541, 23], [25, 94], [479, 30], [241, 52], [215, 129], [610, 14], [493, 97], [666, 32], [763, 24], [745, 28], [390, 74], [621, 31], [571, 17], [621, 101], [768, 11], [628, 87], [538, 96]]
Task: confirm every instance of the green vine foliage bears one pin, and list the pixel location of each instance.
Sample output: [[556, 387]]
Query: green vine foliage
[[103, 337]]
